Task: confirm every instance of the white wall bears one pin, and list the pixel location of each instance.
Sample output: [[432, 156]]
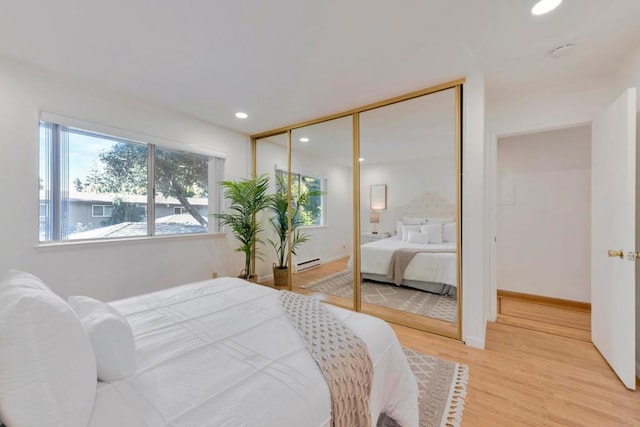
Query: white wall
[[544, 196], [405, 180], [327, 242], [106, 270]]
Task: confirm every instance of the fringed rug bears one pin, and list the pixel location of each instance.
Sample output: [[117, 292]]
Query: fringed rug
[[442, 388], [388, 295]]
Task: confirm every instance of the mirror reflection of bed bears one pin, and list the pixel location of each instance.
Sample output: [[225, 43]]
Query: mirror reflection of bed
[[415, 270], [409, 269]]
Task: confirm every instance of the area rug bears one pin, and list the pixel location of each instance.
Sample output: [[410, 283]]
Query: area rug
[[392, 296], [442, 388]]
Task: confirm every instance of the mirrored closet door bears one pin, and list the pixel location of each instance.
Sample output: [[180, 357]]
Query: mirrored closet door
[[272, 250], [409, 212], [322, 201], [366, 209]]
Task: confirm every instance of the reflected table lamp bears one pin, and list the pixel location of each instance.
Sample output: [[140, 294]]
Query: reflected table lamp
[[374, 218]]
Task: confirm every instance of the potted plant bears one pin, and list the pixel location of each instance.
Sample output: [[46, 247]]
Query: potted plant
[[247, 197], [279, 220]]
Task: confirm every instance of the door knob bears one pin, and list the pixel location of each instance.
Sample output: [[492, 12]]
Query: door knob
[[619, 254]]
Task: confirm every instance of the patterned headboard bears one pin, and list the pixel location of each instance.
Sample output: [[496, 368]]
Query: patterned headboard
[[426, 205]]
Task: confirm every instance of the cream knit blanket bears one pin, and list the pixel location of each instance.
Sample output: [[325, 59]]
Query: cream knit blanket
[[341, 356]]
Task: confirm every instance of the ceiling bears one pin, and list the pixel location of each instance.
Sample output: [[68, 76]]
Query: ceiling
[[285, 61]]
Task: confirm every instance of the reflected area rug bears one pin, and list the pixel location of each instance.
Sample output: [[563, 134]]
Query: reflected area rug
[[442, 388], [398, 297]]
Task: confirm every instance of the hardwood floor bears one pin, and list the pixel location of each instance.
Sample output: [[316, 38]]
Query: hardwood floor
[[529, 378], [523, 377]]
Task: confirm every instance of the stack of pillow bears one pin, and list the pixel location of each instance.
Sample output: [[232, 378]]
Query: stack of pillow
[[427, 230], [52, 353]]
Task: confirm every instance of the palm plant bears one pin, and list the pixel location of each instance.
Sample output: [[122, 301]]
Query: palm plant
[[279, 219], [247, 197]]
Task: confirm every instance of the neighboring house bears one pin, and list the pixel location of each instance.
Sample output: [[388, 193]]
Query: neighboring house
[[89, 215]]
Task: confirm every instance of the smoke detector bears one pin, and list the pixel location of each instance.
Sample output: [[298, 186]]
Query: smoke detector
[[561, 50]]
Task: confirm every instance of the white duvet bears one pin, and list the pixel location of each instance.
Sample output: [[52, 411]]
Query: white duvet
[[437, 266], [222, 353]]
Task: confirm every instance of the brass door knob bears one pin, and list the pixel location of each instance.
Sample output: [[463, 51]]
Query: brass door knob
[[619, 254]]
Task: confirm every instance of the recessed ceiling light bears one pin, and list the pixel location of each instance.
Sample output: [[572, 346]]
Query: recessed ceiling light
[[241, 115], [361, 159], [545, 6], [304, 139]]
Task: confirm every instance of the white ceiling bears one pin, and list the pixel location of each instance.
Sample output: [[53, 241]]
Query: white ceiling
[[287, 61], [414, 129]]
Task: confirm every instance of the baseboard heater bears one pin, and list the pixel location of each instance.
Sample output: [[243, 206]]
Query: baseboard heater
[[307, 265]]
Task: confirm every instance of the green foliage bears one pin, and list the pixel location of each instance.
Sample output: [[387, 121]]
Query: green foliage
[[177, 174], [247, 197], [279, 219]]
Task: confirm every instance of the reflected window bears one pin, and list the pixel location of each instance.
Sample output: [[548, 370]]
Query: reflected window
[[311, 190]]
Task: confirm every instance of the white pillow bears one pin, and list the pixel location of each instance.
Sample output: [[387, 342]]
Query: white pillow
[[47, 366], [431, 220], [434, 231], [407, 228], [449, 232], [413, 221], [111, 337], [23, 280], [417, 237]]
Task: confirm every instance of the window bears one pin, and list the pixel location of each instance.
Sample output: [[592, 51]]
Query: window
[[101, 211], [313, 213], [95, 186]]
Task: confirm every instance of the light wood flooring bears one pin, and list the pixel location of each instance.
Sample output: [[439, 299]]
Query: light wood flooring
[[523, 377]]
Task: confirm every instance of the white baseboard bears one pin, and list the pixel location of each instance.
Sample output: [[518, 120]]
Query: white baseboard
[[476, 342], [333, 258]]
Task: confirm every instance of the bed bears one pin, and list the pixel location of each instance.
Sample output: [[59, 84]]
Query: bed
[[222, 352], [434, 269]]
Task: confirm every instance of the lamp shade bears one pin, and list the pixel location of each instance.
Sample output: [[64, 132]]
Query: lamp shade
[[374, 217]]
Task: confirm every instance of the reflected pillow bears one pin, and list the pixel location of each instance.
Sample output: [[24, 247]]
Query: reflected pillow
[[434, 231], [407, 228], [110, 335], [417, 237], [449, 232]]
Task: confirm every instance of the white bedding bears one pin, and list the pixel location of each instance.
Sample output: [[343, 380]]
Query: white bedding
[[222, 353], [436, 266]]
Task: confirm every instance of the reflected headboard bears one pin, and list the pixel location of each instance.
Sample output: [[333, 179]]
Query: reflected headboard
[[426, 205]]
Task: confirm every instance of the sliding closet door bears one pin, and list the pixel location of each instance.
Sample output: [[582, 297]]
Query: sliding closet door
[[272, 249], [322, 204], [409, 212]]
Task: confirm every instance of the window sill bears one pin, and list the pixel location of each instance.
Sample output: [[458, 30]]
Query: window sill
[[313, 227], [68, 244]]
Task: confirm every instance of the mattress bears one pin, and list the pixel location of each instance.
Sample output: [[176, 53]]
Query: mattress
[[437, 266], [223, 353]]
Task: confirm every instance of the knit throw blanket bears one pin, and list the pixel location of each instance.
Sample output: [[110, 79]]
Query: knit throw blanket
[[341, 356], [401, 258]]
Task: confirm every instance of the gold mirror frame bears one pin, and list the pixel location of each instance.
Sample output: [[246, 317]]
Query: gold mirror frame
[[355, 113]]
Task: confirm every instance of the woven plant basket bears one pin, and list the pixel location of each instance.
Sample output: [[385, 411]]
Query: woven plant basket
[[280, 276]]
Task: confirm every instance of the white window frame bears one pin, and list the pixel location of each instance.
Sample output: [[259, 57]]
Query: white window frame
[[215, 175], [104, 207]]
